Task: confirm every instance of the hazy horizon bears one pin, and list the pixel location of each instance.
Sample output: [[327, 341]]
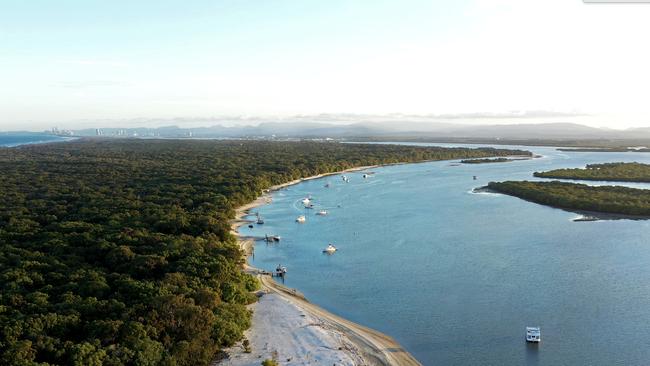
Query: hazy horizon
[[72, 63], [424, 121]]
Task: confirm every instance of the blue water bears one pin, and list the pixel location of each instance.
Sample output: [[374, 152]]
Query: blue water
[[17, 139], [455, 276]]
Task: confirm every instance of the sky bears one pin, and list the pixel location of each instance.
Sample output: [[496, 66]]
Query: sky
[[68, 63]]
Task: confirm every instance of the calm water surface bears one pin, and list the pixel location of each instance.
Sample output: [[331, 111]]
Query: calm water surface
[[17, 139], [455, 277]]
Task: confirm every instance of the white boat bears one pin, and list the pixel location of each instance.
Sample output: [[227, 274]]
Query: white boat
[[330, 249], [260, 221], [301, 219], [321, 213], [306, 201], [280, 270], [533, 334]]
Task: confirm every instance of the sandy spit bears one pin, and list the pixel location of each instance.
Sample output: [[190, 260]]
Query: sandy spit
[[290, 329]]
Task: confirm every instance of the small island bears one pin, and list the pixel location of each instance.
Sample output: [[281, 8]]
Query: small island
[[621, 172], [613, 200], [486, 161]]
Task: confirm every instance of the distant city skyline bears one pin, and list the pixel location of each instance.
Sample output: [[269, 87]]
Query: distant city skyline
[[72, 63]]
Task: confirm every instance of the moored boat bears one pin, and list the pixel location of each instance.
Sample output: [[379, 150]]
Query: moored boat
[[533, 334], [330, 249], [280, 270], [301, 219]]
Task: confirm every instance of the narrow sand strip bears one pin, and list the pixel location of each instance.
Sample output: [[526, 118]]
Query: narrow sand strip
[[290, 329]]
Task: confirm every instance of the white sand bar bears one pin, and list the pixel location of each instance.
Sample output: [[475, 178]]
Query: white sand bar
[[283, 331]]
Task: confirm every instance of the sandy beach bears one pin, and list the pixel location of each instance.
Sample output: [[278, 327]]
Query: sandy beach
[[288, 328]]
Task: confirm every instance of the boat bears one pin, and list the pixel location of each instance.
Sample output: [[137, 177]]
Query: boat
[[474, 177], [260, 220], [321, 213], [327, 185], [533, 334], [250, 226], [365, 176], [280, 270], [272, 238], [301, 219], [330, 249], [306, 201]]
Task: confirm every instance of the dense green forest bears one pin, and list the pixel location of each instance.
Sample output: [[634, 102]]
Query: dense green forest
[[608, 199], [119, 252], [624, 172], [486, 161]]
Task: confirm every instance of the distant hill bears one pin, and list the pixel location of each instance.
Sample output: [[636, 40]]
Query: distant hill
[[383, 128]]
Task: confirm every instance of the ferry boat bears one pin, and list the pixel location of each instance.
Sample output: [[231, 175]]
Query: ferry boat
[[301, 219], [533, 334], [330, 249], [321, 213]]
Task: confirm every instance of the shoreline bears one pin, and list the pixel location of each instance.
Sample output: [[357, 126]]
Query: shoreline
[[585, 215], [360, 344]]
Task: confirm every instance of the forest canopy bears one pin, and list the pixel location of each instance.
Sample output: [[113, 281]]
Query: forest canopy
[[119, 252], [622, 172], [572, 196]]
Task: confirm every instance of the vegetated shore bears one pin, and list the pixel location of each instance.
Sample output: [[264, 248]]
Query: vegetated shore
[[585, 215], [287, 327]]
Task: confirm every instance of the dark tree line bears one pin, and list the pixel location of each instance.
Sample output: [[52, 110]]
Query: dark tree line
[[486, 161], [608, 199], [119, 252], [622, 172]]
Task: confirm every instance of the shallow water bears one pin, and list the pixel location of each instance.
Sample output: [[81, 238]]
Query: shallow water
[[455, 277]]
